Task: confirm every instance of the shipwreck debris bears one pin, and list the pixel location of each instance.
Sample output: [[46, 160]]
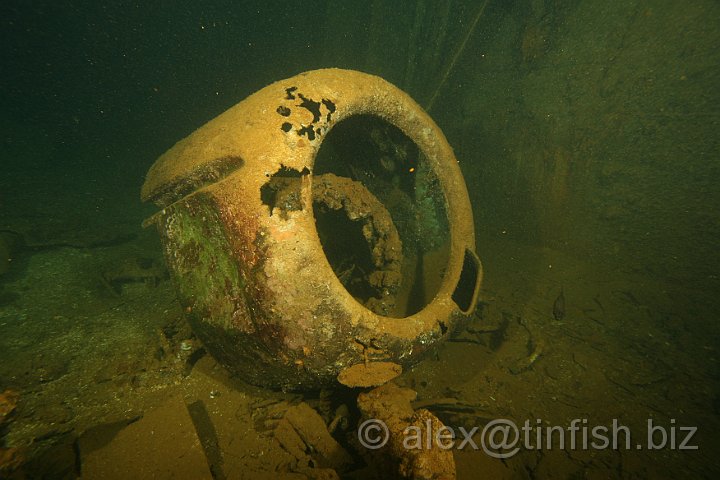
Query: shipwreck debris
[[292, 232], [392, 405], [370, 374], [302, 433], [558, 309]]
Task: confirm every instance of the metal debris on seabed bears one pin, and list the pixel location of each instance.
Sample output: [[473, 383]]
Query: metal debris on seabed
[[526, 363]]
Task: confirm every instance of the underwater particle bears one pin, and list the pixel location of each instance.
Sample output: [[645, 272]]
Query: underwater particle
[[286, 127], [284, 111]]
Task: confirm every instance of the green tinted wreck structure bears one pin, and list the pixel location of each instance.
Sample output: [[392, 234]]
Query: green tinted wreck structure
[[321, 223]]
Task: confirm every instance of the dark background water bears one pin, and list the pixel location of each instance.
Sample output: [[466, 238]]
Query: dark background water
[[128, 79]]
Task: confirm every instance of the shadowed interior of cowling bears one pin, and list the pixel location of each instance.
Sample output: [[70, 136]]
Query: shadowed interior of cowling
[[381, 160]]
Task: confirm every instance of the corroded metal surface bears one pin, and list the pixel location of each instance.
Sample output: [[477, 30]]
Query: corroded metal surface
[[252, 275]]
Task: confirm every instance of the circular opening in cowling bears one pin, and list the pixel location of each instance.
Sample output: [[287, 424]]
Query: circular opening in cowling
[[381, 216]]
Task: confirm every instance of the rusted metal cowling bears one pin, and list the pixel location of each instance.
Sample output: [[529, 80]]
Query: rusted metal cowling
[[295, 262]]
